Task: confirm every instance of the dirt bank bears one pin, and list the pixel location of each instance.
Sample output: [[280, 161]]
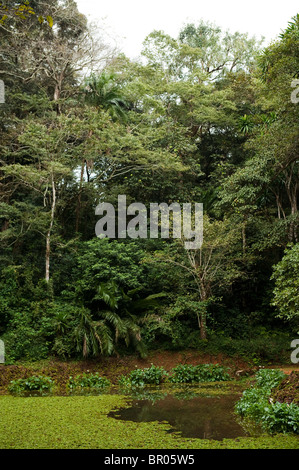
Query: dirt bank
[[288, 390], [114, 367]]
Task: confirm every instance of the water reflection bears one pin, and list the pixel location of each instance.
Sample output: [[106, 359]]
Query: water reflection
[[204, 417]]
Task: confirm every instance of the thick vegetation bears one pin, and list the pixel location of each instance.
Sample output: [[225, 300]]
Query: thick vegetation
[[206, 117], [258, 405]]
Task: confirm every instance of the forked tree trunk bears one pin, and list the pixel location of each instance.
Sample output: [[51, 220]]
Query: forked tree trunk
[[203, 290], [57, 93]]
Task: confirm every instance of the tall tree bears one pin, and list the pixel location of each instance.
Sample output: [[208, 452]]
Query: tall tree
[[51, 58], [213, 267]]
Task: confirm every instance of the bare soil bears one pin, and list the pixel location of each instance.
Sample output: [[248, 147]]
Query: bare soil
[[288, 390], [114, 367]]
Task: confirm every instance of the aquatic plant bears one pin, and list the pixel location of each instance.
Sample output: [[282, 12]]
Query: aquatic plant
[[88, 381], [31, 384], [187, 373], [153, 375], [256, 404]]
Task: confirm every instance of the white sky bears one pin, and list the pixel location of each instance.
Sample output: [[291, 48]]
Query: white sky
[[132, 20]]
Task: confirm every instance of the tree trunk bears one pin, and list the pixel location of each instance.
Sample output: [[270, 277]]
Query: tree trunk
[[203, 325], [292, 190], [56, 96], [48, 257], [48, 236], [203, 311], [78, 206]]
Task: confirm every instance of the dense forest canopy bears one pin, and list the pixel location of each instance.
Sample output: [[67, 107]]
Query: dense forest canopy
[[205, 117]]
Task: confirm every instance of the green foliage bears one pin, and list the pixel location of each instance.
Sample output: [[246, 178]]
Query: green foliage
[[258, 348], [83, 422], [29, 333], [124, 382], [92, 336], [88, 381], [281, 418], [31, 384], [102, 260], [269, 378], [25, 342], [257, 405], [103, 91], [252, 403], [153, 375], [286, 290], [292, 28], [187, 373], [200, 118]]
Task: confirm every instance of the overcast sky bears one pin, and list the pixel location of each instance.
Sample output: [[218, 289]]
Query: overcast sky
[[132, 20]]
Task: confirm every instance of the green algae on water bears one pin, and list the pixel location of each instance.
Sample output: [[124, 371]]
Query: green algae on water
[[79, 422]]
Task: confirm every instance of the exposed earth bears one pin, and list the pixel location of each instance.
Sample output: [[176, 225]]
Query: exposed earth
[[114, 367], [288, 390]]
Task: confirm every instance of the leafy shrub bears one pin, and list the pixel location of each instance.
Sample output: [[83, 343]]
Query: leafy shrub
[[153, 375], [269, 378], [187, 373], [285, 275], [281, 417], [184, 373], [252, 403], [88, 381], [25, 339], [31, 384], [124, 381], [256, 404], [268, 347]]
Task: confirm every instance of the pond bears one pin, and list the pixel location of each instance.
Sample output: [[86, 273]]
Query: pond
[[192, 414], [205, 411]]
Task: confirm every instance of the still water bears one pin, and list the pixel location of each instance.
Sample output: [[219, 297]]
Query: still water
[[204, 417]]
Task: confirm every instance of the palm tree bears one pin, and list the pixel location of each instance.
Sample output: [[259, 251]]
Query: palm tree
[[104, 92], [92, 337], [125, 326], [101, 335], [246, 125]]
